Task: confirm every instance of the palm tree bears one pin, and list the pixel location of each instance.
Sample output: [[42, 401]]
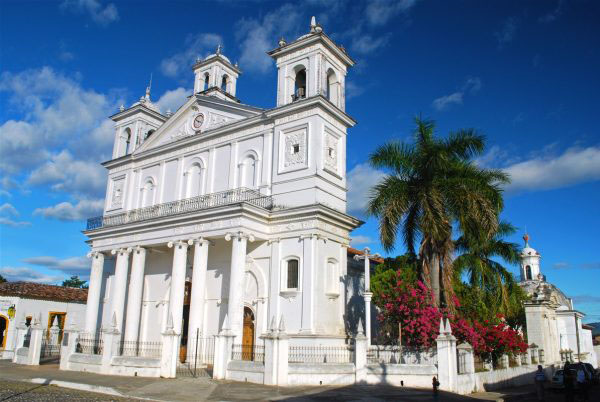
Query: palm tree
[[431, 188], [495, 285]]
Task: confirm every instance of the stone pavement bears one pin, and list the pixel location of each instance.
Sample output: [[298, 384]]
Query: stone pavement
[[206, 389]]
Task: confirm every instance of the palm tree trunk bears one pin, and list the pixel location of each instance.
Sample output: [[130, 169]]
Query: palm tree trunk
[[434, 272]]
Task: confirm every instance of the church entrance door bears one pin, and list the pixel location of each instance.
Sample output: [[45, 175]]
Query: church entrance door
[[248, 335], [185, 322], [3, 331]]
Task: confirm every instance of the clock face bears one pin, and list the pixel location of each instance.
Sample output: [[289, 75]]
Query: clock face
[[198, 120]]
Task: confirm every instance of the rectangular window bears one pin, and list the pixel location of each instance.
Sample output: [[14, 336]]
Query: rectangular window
[[295, 148], [292, 274]]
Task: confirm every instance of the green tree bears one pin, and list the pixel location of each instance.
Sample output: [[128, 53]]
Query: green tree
[[431, 188], [2, 279], [387, 274], [490, 287], [75, 282]]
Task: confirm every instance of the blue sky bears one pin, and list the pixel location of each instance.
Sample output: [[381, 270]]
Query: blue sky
[[524, 73]]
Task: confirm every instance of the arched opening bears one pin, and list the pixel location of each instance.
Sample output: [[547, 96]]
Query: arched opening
[[248, 172], [528, 273], [224, 83], [206, 80], [148, 193], [300, 84], [332, 89], [248, 335], [148, 134], [3, 330], [194, 181], [128, 143]]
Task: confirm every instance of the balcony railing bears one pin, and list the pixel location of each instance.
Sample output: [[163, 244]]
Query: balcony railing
[[227, 197]]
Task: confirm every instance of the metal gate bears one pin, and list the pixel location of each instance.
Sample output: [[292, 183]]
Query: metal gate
[[199, 357], [50, 352]]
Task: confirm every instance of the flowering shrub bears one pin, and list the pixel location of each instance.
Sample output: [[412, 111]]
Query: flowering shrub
[[410, 305]]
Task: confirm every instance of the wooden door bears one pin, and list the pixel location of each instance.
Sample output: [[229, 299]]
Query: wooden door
[[3, 331], [248, 335], [185, 322]]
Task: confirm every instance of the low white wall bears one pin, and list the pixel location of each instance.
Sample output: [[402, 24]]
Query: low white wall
[[135, 366], [84, 362], [22, 356], [246, 371], [506, 378], [321, 374], [408, 375]]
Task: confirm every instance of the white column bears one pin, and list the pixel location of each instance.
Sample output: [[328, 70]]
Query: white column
[[235, 309], [95, 287], [198, 289], [177, 283], [120, 285], [134, 298], [274, 279], [308, 280], [367, 296]]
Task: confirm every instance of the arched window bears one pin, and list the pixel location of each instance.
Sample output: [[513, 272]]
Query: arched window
[[300, 84], [206, 80], [333, 87], [148, 193], [292, 272], [224, 83], [248, 171], [528, 273], [148, 134], [194, 178]]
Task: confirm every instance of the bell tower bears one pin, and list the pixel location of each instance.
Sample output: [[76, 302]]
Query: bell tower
[[216, 76], [311, 65], [530, 263]]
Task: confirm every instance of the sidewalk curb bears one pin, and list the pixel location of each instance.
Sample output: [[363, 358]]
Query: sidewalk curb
[[79, 386]]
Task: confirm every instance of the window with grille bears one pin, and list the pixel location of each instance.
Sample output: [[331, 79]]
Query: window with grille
[[292, 274]]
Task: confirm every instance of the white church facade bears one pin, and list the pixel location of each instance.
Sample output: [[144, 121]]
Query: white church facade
[[227, 210], [553, 323]]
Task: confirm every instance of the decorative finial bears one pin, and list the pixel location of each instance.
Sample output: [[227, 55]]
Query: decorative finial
[[313, 23], [219, 49], [442, 329], [526, 238], [361, 330], [121, 108], [169, 113], [273, 325], [198, 59], [170, 325], [236, 64], [114, 320], [281, 325], [282, 42]]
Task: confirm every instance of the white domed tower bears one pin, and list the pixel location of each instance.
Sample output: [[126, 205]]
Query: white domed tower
[[530, 263]]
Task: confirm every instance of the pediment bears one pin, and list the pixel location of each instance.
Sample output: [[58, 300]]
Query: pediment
[[210, 112]]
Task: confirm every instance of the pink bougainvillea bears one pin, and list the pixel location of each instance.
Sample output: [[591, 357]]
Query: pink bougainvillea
[[410, 305]]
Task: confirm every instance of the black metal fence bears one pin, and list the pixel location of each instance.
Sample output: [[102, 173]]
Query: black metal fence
[[197, 358], [140, 349], [89, 344], [255, 353], [321, 354], [50, 351]]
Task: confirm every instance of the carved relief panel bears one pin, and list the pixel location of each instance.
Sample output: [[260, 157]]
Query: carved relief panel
[[331, 152], [293, 145], [116, 191]]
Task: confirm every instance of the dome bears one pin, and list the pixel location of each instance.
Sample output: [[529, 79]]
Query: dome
[[527, 250]]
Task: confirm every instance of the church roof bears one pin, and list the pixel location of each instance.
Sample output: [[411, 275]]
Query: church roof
[[30, 290]]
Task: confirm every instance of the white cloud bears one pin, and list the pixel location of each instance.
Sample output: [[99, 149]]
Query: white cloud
[[199, 45], [353, 90], [443, 102], [66, 211], [379, 12], [359, 240], [554, 14], [471, 86], [102, 15], [360, 180], [575, 165], [173, 99], [507, 32], [7, 212], [364, 44], [13, 274], [257, 36], [79, 266]]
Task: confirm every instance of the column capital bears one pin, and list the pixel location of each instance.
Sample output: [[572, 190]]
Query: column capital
[[201, 241], [367, 296], [239, 236], [139, 249], [275, 240], [313, 236], [94, 254], [121, 251], [179, 243]]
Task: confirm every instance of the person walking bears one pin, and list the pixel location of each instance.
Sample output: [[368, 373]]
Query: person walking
[[436, 384], [540, 379]]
